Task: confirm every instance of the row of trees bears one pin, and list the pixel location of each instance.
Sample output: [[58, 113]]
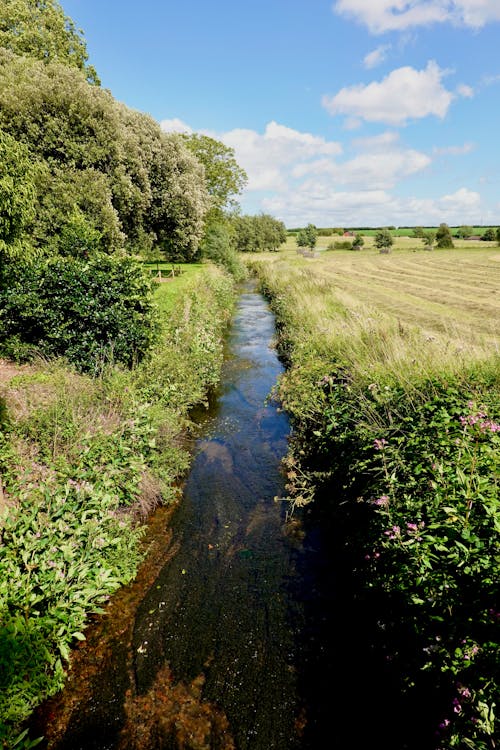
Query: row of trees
[[84, 178]]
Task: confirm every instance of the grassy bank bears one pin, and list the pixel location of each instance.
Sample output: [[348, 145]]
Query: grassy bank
[[83, 461], [393, 390]]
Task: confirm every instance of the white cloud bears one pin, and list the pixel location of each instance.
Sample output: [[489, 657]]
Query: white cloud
[[403, 94], [397, 15], [381, 170], [466, 148], [268, 158], [377, 56], [301, 177], [325, 206], [466, 91], [175, 126], [461, 200]]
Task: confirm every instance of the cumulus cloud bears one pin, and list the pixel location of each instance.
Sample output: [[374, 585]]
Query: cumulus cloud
[[381, 170], [404, 94], [398, 15], [268, 158], [323, 205], [300, 177], [377, 56]]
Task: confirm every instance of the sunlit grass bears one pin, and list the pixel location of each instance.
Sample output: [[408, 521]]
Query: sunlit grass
[[175, 277], [406, 311]]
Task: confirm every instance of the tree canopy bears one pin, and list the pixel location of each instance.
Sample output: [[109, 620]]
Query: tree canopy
[[40, 29], [224, 178]]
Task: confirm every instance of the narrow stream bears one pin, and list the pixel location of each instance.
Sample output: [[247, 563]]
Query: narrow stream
[[209, 661], [242, 631]]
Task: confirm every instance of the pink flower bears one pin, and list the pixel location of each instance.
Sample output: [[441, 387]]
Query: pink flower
[[379, 444], [382, 501]]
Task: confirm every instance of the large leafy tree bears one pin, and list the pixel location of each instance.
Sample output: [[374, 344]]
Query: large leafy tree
[[40, 29], [225, 179]]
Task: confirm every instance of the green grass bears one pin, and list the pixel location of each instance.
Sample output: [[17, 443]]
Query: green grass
[[168, 291]]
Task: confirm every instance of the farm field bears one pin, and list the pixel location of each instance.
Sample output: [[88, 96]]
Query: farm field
[[452, 296]]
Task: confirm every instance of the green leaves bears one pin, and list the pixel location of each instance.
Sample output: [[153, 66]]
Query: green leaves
[[91, 311]]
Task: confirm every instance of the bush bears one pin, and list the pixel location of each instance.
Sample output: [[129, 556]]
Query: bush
[[340, 245], [88, 311]]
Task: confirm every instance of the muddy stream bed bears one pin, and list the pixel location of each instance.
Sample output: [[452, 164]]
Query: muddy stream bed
[[234, 635]]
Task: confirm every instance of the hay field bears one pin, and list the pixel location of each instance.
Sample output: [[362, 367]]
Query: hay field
[[438, 307]]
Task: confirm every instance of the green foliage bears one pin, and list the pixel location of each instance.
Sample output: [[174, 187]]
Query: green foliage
[[464, 231], [307, 237], [489, 235], [428, 239], [258, 233], [341, 245], [384, 240], [418, 233], [218, 245], [17, 195], [132, 182], [68, 540], [78, 238], [224, 178], [443, 236], [498, 236], [91, 311], [40, 29], [358, 242]]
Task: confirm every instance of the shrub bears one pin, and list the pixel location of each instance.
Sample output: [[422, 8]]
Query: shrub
[[88, 311]]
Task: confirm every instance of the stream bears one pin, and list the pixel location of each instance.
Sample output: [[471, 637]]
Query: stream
[[238, 633]]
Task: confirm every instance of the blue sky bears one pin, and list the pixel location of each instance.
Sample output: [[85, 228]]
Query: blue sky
[[345, 113]]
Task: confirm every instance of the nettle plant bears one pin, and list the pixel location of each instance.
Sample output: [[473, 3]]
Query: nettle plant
[[438, 510]]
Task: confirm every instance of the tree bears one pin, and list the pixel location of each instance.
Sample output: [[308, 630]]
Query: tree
[[489, 235], [358, 242], [428, 239], [464, 231], [40, 29], [418, 232], [310, 236], [443, 236], [384, 240], [224, 178], [498, 236], [301, 238]]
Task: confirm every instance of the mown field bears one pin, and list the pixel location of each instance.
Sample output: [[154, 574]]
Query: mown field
[[393, 388], [449, 294]]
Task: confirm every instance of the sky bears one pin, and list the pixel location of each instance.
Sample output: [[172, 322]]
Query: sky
[[347, 113]]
